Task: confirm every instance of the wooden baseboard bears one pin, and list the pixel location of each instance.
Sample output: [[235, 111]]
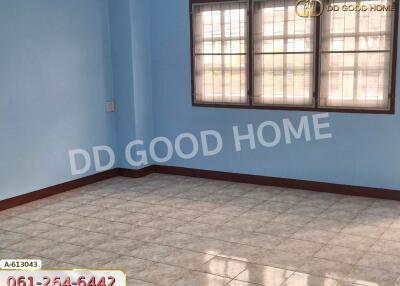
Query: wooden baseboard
[[282, 182], [136, 173], [198, 173], [57, 189]]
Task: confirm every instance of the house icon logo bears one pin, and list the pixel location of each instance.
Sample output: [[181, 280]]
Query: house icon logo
[[309, 8]]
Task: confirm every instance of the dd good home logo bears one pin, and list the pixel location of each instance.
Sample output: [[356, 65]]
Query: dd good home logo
[[309, 8], [315, 8]]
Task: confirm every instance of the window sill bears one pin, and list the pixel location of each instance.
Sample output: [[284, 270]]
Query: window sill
[[295, 108]]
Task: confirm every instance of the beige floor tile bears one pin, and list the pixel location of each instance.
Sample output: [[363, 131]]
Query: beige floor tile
[[354, 207], [174, 239], [307, 248], [396, 223], [275, 206], [321, 202], [152, 251], [229, 210], [244, 224], [114, 228], [146, 234], [135, 282], [62, 219], [327, 224], [383, 210], [326, 196], [286, 197], [292, 219], [220, 198], [282, 259], [244, 202], [137, 219], [188, 259], [61, 251], [240, 283], [132, 206], [89, 240], [88, 224], [224, 267], [32, 245], [120, 246], [213, 219], [64, 234], [307, 210], [17, 210], [206, 245], [226, 234], [386, 247], [165, 230], [369, 276], [201, 279], [91, 258], [391, 234], [339, 254], [302, 279], [184, 214], [241, 252], [34, 228], [260, 215], [260, 240], [380, 261], [10, 223], [196, 228], [340, 215], [110, 214], [36, 214], [262, 193], [362, 201], [364, 230], [152, 198], [164, 223], [8, 238], [128, 264], [12, 254], [374, 220], [326, 268], [264, 275], [314, 235], [352, 241], [162, 274], [278, 229]]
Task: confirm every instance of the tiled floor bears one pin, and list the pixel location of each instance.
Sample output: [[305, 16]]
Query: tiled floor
[[170, 230]]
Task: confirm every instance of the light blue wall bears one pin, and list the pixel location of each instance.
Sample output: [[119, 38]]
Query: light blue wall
[[122, 67], [61, 60], [130, 40], [364, 150], [55, 76]]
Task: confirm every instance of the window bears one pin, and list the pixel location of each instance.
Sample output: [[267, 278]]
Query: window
[[355, 58], [220, 52], [270, 54]]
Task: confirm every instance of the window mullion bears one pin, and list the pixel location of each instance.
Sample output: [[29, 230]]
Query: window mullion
[[317, 58], [356, 68], [249, 50]]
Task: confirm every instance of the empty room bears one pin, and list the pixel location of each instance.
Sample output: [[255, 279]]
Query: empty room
[[199, 143]]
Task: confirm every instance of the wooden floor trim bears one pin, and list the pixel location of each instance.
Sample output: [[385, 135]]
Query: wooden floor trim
[[199, 173], [56, 189], [380, 193]]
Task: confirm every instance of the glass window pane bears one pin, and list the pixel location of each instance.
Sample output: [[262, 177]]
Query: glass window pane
[[220, 47], [283, 60], [356, 56]]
